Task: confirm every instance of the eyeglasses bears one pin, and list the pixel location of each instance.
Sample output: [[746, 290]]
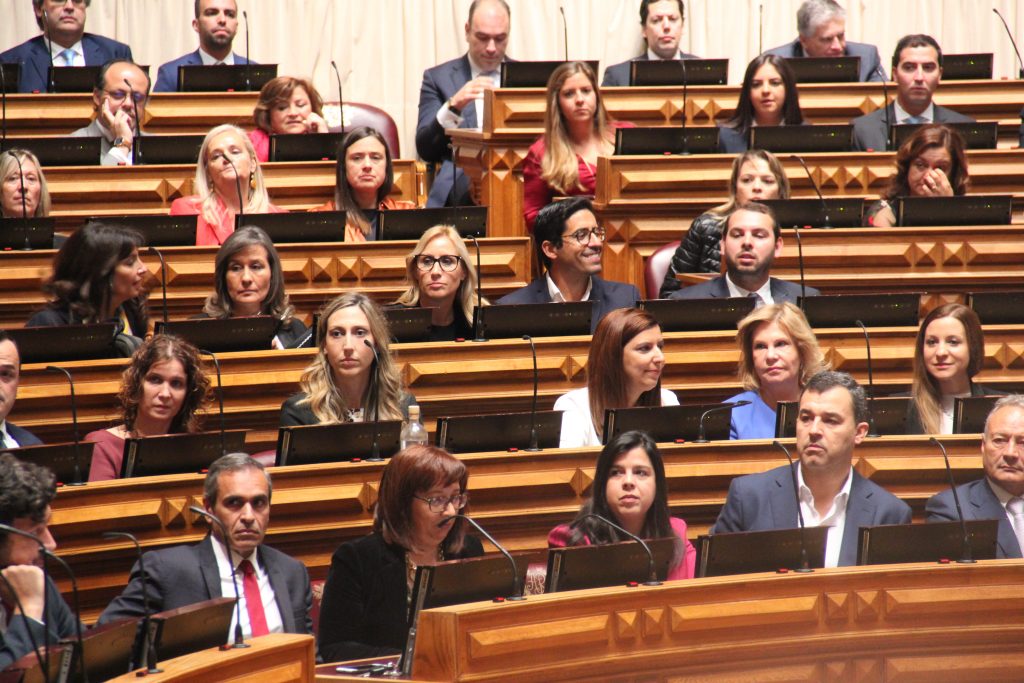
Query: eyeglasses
[[119, 95], [447, 262], [440, 503], [582, 236]]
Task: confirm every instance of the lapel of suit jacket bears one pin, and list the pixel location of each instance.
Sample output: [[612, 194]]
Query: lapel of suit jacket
[[42, 63], [782, 499], [462, 74], [720, 290], [279, 583], [984, 505], [860, 511], [91, 49], [208, 567]]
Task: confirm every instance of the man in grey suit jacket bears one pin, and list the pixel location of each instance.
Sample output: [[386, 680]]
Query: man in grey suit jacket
[[661, 24], [121, 91], [751, 239], [216, 23], [994, 496], [821, 25], [917, 69], [237, 491], [833, 419], [451, 95]]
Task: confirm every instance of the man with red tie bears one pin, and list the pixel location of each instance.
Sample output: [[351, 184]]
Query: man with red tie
[[274, 588]]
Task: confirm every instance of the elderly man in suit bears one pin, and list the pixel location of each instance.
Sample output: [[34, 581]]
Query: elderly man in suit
[[999, 494], [121, 92], [751, 240], [451, 95], [832, 420], [11, 435], [661, 24], [216, 23], [274, 587], [63, 21]]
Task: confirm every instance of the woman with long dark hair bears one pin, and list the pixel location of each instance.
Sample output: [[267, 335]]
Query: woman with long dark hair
[[768, 97]]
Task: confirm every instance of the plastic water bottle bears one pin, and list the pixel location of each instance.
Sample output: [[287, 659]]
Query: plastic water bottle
[[413, 432]]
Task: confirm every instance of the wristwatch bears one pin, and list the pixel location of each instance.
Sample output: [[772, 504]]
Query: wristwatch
[[122, 143], [452, 108]]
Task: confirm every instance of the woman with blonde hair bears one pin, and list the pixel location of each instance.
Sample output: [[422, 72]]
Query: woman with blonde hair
[[353, 377], [23, 191], [443, 278], [227, 171], [287, 106], [778, 355]]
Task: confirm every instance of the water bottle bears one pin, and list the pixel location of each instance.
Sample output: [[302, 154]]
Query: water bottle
[[413, 432]]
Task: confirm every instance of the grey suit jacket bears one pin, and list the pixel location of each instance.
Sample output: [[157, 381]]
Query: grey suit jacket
[[766, 501], [605, 295], [93, 130], [978, 501], [716, 288], [618, 74], [869, 130], [870, 63]]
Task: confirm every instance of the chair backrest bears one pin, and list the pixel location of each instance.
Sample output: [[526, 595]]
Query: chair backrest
[[358, 114], [656, 268], [317, 588]]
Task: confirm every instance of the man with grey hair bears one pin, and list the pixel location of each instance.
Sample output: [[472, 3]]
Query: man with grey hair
[[832, 420], [821, 25], [274, 587], [999, 494]]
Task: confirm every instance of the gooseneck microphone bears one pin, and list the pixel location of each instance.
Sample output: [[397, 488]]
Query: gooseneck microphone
[[805, 564], [374, 445], [478, 319], [220, 396], [517, 587], [138, 124], [3, 115], [248, 63], [239, 641], [565, 32], [163, 279], [238, 185], [824, 206], [74, 421], [148, 646], [872, 432], [889, 141], [51, 86], [685, 150], [701, 436], [652, 574], [1009, 34], [760, 29], [341, 96], [965, 552], [533, 408], [800, 262]]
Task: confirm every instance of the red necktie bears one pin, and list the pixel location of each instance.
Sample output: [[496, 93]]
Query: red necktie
[[253, 600]]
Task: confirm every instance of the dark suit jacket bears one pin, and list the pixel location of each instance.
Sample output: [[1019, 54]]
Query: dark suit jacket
[[605, 295], [716, 288], [16, 641], [618, 74], [365, 606], [167, 75], [731, 140], [184, 575], [913, 422], [869, 130], [293, 414], [23, 436], [765, 501], [870, 63], [34, 58], [977, 501]]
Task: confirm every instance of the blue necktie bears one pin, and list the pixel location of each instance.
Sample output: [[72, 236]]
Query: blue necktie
[[68, 56]]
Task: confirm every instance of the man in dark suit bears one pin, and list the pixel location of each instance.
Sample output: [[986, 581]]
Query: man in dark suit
[[917, 69], [1000, 494], [237, 492], [661, 24], [11, 435], [751, 240], [64, 23], [216, 23], [569, 243], [821, 25], [451, 96], [121, 92], [832, 420]]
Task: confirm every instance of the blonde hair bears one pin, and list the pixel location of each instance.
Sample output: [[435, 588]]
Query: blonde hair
[[792, 320], [258, 201], [9, 164], [466, 296]]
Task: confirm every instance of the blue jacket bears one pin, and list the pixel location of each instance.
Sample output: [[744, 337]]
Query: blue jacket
[[605, 295], [618, 74], [23, 436], [716, 288], [167, 75], [34, 58]]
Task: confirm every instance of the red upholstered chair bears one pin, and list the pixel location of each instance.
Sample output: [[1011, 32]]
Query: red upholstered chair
[[656, 268], [266, 458], [357, 114], [318, 597]]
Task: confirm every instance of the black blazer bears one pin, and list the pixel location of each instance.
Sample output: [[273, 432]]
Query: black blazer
[[914, 418], [365, 610], [606, 296], [16, 641], [716, 288], [617, 75], [293, 414], [869, 130]]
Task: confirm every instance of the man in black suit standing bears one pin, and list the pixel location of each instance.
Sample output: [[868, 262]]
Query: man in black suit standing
[[11, 435], [661, 23], [751, 240], [917, 69], [569, 243]]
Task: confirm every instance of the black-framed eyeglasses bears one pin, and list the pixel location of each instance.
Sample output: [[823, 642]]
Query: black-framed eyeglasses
[[447, 262], [440, 503], [582, 236]]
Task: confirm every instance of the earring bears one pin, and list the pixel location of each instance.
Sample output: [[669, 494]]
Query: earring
[[252, 181]]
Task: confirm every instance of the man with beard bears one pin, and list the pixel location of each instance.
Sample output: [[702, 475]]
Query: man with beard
[[216, 23], [751, 240]]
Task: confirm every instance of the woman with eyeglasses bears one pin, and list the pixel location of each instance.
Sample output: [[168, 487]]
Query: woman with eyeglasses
[[443, 278], [365, 608]]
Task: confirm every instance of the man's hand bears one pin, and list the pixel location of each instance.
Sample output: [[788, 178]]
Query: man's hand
[[27, 582], [119, 123], [471, 91]]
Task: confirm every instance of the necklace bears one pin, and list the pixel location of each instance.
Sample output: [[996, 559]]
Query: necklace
[[410, 570]]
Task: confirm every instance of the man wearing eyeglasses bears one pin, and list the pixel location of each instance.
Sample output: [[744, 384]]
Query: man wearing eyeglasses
[[569, 243], [121, 92]]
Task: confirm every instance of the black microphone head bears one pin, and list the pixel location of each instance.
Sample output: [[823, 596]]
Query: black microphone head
[[449, 518], [527, 337]]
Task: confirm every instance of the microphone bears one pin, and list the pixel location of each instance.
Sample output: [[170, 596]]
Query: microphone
[[871, 381], [3, 95], [248, 64], [138, 124], [1009, 33], [239, 641], [760, 29], [800, 262], [74, 420], [701, 436], [220, 397], [965, 552], [805, 564], [51, 86], [478, 327], [341, 96], [163, 277], [565, 31], [374, 446], [889, 141], [652, 575], [685, 151], [149, 647], [533, 410], [824, 207], [238, 186], [517, 588]]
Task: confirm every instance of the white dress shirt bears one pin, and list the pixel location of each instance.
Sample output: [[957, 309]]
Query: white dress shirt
[[834, 518], [764, 293], [209, 60], [901, 114], [556, 294], [9, 441], [227, 589], [58, 60], [653, 56]]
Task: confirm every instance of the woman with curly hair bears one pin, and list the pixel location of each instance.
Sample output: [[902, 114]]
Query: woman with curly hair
[[162, 391], [287, 106]]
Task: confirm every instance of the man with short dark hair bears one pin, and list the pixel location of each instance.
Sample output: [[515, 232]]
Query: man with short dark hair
[[63, 21], [216, 22], [121, 91], [661, 24], [831, 422], [11, 435], [917, 70], [236, 491], [999, 494], [821, 25], [569, 243], [751, 241]]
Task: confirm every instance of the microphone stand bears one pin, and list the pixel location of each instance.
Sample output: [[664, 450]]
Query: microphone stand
[[239, 641], [3, 117], [805, 564], [136, 153], [248, 64], [685, 151], [478, 327], [533, 448], [652, 575], [341, 96], [1009, 33], [517, 588], [374, 446], [800, 261], [889, 141], [872, 432], [149, 647], [74, 420], [701, 436], [163, 279], [238, 189], [565, 32], [220, 397], [827, 225], [965, 553], [51, 85]]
